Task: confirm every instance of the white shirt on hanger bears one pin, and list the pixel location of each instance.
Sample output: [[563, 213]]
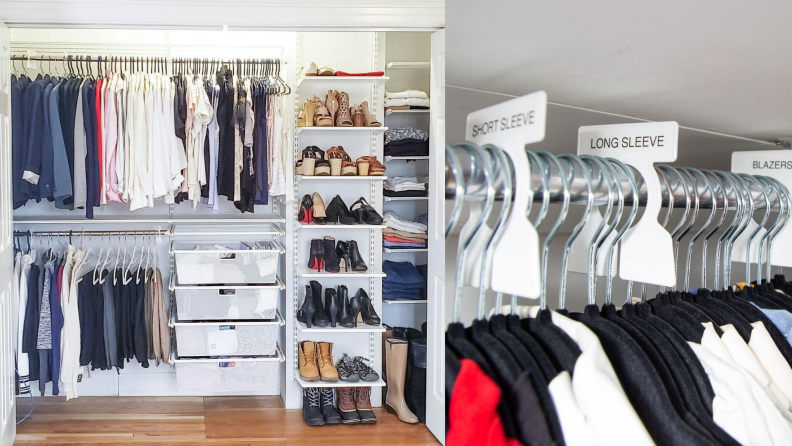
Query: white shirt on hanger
[[773, 362], [573, 423]]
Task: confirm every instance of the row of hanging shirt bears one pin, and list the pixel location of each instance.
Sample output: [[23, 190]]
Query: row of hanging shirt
[[136, 137], [73, 318], [700, 367]]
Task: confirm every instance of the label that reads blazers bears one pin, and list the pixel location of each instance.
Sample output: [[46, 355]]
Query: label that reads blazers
[[518, 121], [655, 140], [772, 163]]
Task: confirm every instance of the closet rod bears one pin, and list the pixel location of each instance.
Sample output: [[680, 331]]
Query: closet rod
[[578, 190], [169, 59], [165, 232]]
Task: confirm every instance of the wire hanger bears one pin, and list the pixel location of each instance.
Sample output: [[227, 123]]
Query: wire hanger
[[695, 237], [572, 160]]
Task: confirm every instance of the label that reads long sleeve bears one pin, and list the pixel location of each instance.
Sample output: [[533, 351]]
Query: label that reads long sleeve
[[655, 140], [518, 121]]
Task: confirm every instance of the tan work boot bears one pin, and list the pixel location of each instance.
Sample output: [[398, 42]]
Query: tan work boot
[[307, 360], [327, 370], [396, 363], [363, 404], [346, 405]]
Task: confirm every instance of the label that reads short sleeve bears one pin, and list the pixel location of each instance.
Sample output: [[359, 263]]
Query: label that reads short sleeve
[[656, 141], [518, 121]]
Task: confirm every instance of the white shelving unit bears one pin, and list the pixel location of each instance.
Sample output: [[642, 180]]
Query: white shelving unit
[[405, 198], [341, 177], [378, 383], [342, 80], [304, 271], [406, 158], [390, 111], [331, 227], [361, 328], [375, 130], [405, 302], [408, 66], [398, 250]]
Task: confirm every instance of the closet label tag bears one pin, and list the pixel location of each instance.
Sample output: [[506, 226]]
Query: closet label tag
[[654, 140], [518, 121]]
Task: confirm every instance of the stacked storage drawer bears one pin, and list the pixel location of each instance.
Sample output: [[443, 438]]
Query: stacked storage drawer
[[226, 321]]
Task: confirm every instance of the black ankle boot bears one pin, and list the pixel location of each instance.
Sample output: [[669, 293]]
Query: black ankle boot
[[354, 308], [357, 261], [344, 314], [338, 212], [308, 309], [367, 311], [320, 318], [331, 306], [316, 257], [330, 257], [365, 214], [312, 415], [330, 413], [344, 252]]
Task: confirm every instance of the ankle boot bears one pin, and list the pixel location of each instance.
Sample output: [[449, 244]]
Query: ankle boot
[[316, 257], [344, 253], [327, 370], [306, 210], [344, 314], [354, 308], [346, 405], [331, 264], [311, 413], [307, 361], [367, 311], [357, 261], [337, 211], [331, 306], [320, 318], [363, 405], [396, 363], [306, 313], [329, 412]]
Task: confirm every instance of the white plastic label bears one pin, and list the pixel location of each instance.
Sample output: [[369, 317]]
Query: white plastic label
[[647, 251], [774, 164], [511, 125]]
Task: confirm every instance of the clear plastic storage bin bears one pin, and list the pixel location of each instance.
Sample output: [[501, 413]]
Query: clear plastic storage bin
[[207, 303], [225, 339], [228, 376], [226, 263]]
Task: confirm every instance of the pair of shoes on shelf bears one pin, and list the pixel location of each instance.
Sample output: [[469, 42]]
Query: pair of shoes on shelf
[[355, 369], [354, 406], [325, 254], [362, 117], [338, 307], [316, 361], [313, 162], [341, 163], [312, 70], [313, 210], [370, 165]]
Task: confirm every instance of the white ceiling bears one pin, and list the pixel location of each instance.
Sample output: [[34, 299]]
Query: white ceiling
[[721, 66]]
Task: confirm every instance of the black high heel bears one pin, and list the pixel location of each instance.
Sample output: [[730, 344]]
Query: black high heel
[[357, 261], [337, 211], [306, 312], [331, 263], [354, 308], [331, 306], [365, 213], [367, 311], [320, 318], [316, 257], [306, 210], [343, 252], [345, 317]]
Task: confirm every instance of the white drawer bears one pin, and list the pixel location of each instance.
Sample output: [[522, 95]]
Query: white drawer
[[243, 338], [231, 263], [219, 302], [229, 376]]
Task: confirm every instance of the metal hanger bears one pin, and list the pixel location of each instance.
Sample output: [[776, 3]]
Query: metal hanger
[[627, 224], [720, 248], [788, 207], [552, 159], [695, 236], [572, 160], [603, 178], [454, 167], [765, 237], [759, 228]]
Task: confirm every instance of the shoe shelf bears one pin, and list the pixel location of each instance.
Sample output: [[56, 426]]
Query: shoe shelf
[[361, 328], [408, 111], [304, 271], [375, 130], [405, 158], [342, 177], [404, 302], [342, 79], [408, 66], [303, 383], [395, 250], [404, 198], [329, 226]]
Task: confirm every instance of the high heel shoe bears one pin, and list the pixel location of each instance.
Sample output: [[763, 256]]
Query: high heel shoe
[[344, 254], [331, 263], [316, 257], [322, 168], [344, 116], [357, 261], [340, 162], [337, 212], [365, 214], [367, 312], [306, 210], [306, 165], [354, 308], [318, 209], [331, 103], [322, 116], [331, 306], [306, 313], [371, 120], [345, 318]]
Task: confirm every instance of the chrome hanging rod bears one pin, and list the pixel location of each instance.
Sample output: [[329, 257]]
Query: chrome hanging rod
[[165, 232]]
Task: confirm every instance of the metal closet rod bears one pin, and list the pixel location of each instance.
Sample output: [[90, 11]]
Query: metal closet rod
[[106, 58], [578, 190], [93, 233]]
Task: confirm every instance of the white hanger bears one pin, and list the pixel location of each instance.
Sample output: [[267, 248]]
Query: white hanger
[[98, 262], [118, 256]]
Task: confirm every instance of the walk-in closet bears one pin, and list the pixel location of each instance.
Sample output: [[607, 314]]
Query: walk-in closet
[[196, 210]]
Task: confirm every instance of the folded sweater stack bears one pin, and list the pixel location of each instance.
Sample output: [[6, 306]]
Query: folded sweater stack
[[406, 187], [403, 234], [406, 141], [407, 98], [403, 281]]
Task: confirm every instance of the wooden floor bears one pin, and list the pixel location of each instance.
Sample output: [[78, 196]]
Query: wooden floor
[[196, 420]]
